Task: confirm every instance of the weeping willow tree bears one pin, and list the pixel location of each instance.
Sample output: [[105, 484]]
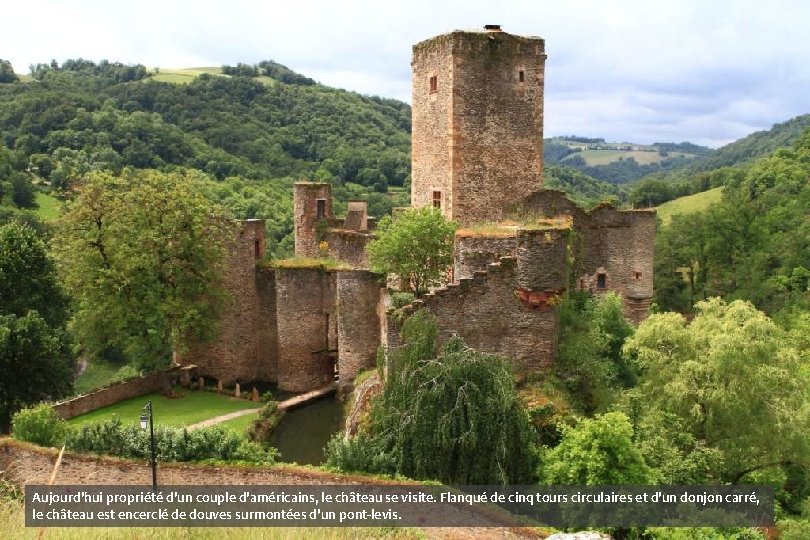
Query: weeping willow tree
[[452, 416]]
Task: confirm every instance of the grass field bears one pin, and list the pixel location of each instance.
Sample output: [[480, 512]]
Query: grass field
[[49, 206], [189, 409], [186, 75], [240, 424], [689, 204], [603, 157]]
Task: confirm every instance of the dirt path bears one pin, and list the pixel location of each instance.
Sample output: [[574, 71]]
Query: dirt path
[[221, 418]]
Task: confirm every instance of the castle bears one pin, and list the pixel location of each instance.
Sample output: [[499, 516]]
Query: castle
[[478, 156]]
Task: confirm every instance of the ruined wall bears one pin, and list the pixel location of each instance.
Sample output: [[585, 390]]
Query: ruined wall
[[307, 327], [358, 295], [474, 253], [620, 245], [305, 215], [488, 314], [232, 355], [266, 326], [349, 247]]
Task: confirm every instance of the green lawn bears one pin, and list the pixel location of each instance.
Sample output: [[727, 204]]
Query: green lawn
[[49, 206], [193, 407], [241, 423], [689, 204]]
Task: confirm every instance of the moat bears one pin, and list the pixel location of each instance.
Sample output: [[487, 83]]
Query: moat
[[304, 431]]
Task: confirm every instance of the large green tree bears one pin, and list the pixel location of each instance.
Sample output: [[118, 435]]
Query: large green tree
[[417, 246], [732, 380], [142, 255], [35, 357]]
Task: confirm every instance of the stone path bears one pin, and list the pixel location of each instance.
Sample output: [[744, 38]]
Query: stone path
[[284, 405], [221, 418]]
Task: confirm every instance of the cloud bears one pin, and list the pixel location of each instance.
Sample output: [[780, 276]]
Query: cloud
[[707, 72]]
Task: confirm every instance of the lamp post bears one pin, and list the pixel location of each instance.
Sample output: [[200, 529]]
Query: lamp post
[[148, 418]]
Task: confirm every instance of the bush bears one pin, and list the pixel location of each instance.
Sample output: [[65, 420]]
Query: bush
[[39, 425], [172, 444]]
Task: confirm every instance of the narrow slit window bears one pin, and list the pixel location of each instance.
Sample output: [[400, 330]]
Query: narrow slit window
[[637, 275], [521, 76], [601, 281], [434, 83], [437, 199], [257, 249], [320, 209]]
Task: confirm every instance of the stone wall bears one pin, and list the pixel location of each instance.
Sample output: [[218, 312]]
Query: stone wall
[[620, 245], [489, 316], [117, 392], [305, 215], [349, 247], [233, 355], [473, 253], [307, 327], [478, 137], [358, 295], [266, 326]]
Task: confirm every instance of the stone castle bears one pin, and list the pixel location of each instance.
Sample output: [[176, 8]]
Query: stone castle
[[478, 156]]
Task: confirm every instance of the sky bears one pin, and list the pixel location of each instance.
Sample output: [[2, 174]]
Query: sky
[[703, 71]]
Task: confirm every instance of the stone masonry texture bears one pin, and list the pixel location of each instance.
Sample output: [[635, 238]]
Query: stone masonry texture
[[358, 295], [478, 137]]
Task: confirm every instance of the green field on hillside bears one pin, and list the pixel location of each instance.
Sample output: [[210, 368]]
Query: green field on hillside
[[48, 206], [186, 75], [186, 409], [603, 157], [689, 204]]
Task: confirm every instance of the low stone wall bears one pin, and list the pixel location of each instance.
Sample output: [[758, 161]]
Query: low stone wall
[[117, 392]]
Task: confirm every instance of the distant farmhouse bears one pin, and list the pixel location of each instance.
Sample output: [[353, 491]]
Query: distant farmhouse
[[478, 156]]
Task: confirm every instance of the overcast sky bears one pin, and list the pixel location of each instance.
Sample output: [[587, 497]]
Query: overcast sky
[[703, 71]]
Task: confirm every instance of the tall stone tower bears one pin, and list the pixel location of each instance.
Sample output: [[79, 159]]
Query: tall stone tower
[[477, 122]]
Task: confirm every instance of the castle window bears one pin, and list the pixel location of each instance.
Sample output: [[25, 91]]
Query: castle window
[[437, 199], [320, 210], [637, 275], [434, 83], [601, 280], [257, 249], [521, 76]]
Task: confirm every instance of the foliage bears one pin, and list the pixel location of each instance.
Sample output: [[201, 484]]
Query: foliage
[[417, 246], [172, 444], [752, 245], [597, 451], [579, 187], [39, 425], [455, 417], [143, 255], [589, 364], [730, 362], [35, 357], [7, 74], [688, 204], [268, 418], [401, 299]]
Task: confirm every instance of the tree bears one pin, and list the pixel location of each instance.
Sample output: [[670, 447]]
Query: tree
[[35, 357], [597, 451], [143, 255], [417, 246], [453, 416], [7, 74], [734, 380]]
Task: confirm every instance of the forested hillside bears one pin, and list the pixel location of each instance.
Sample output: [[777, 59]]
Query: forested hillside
[[256, 135]]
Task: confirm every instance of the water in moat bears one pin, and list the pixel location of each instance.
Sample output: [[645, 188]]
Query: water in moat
[[303, 432]]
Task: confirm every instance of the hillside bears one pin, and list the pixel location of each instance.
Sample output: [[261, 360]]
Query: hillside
[[261, 130], [619, 163], [688, 204]]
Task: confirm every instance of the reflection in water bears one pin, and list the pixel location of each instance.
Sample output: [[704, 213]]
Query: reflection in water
[[303, 432]]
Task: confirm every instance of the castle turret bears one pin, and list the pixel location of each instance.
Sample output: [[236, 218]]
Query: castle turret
[[477, 122], [312, 203]]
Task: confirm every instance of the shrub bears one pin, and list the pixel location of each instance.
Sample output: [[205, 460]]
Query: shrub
[[171, 444], [39, 425]]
